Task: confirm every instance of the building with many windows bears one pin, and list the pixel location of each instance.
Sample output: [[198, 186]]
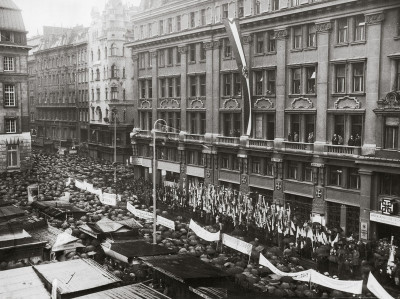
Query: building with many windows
[[325, 103], [110, 81], [58, 88], [15, 138]]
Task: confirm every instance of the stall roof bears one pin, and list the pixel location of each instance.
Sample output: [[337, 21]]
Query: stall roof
[[56, 208], [10, 212], [77, 275], [210, 293], [183, 267], [132, 223], [134, 291], [139, 248], [48, 234], [108, 226], [22, 283]]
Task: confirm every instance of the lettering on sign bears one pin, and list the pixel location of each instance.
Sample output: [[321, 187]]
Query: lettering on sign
[[386, 219]]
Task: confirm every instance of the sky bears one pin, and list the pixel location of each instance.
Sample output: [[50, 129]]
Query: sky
[[66, 13]]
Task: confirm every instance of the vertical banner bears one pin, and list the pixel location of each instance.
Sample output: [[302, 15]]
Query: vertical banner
[[376, 289], [233, 29]]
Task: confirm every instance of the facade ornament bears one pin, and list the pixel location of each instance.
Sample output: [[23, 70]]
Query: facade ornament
[[347, 103], [391, 101], [374, 18], [208, 173], [208, 45], [217, 44], [183, 49], [197, 103], [263, 104], [324, 27], [230, 103], [135, 57], [154, 54], [281, 34], [145, 104], [246, 39], [244, 179], [302, 103], [169, 104], [318, 192], [278, 185]]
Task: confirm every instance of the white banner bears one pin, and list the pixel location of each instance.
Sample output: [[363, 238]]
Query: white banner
[[166, 222], [237, 244], [98, 192], [376, 289], [80, 185], [65, 197], [108, 199], [139, 213], [301, 276], [202, 233], [349, 286], [89, 187], [68, 182]]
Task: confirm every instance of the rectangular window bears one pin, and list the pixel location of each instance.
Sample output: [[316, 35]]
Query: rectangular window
[[162, 87], [307, 172], [203, 17], [192, 53], [358, 77], [202, 52], [354, 179], [150, 88], [398, 75], [161, 27], [12, 156], [9, 95], [274, 4], [271, 41], [310, 127], [225, 162], [359, 34], [227, 84], [8, 63], [203, 123], [311, 36], [11, 126], [356, 128], [256, 165], [389, 184], [149, 29], [391, 133], [178, 56], [257, 7], [142, 85], [335, 176], [310, 73], [295, 126], [178, 86], [238, 84], [342, 28], [161, 57], [292, 170], [240, 8], [203, 85], [170, 87], [296, 80], [258, 83], [227, 49], [339, 125], [193, 86], [297, 37], [142, 60], [340, 70], [259, 43], [225, 11], [271, 83], [169, 25], [170, 54], [192, 19], [178, 23]]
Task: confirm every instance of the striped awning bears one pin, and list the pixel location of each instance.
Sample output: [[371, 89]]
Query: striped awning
[[210, 293]]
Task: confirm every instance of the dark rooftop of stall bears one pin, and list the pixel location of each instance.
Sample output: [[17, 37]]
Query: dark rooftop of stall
[[10, 212], [139, 248], [56, 208]]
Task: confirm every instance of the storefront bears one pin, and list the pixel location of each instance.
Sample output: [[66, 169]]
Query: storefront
[[385, 222], [300, 206]]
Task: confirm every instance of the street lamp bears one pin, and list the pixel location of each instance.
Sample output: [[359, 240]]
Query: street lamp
[[154, 180]]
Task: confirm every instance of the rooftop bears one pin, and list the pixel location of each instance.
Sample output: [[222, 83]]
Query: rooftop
[[10, 16]]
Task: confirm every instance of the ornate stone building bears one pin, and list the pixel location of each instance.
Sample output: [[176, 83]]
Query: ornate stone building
[[15, 138], [110, 82], [325, 79]]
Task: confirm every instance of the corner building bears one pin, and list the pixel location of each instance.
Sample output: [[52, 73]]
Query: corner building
[[15, 138], [325, 79]]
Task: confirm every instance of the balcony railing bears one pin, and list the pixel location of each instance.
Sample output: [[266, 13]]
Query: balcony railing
[[261, 143], [194, 138], [144, 133], [343, 149], [228, 140], [299, 146]]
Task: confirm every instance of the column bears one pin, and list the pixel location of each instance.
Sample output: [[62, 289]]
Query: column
[[365, 202], [135, 94], [318, 204], [280, 36], [323, 30], [154, 76], [343, 214], [216, 63], [183, 50], [278, 196], [374, 36], [209, 102]]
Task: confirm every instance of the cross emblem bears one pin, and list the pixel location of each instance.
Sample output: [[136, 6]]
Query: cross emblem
[[278, 185], [318, 193], [386, 206]]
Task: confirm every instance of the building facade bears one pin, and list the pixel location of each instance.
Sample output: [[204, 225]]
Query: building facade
[[58, 88], [325, 80], [15, 138], [110, 87]]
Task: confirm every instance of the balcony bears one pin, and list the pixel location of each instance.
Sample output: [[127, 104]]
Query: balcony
[[194, 138], [299, 146], [342, 150], [222, 140], [261, 143], [144, 134]]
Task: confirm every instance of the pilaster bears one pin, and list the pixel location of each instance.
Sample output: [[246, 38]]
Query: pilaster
[[365, 199], [135, 60], [154, 75], [183, 50]]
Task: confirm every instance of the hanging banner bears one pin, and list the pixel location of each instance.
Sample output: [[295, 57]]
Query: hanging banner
[[166, 222], [108, 199], [65, 197], [80, 185], [237, 244], [97, 192], [376, 289], [300, 276], [349, 286], [89, 187], [202, 233], [139, 213], [68, 182]]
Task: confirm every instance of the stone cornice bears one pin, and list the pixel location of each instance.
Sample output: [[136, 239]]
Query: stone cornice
[[324, 27], [374, 18], [281, 33]]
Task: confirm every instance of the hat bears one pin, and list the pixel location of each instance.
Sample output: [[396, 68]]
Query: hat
[[326, 273], [335, 277]]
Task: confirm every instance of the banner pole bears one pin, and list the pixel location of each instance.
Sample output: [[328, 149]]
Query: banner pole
[[248, 263]]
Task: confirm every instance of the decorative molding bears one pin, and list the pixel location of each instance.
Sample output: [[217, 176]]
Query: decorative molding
[[135, 57], [374, 18], [318, 192], [278, 185], [169, 104], [324, 27], [145, 104], [263, 104], [196, 104], [208, 45], [183, 49], [208, 173], [281, 34], [246, 39], [230, 104], [302, 103], [391, 101], [347, 103], [154, 54], [244, 179]]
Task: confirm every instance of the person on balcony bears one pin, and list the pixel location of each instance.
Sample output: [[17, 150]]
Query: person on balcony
[[335, 139], [351, 141], [357, 141], [296, 137], [340, 140], [290, 137], [310, 138]]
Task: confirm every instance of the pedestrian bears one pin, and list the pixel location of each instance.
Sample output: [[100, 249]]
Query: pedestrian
[[351, 141], [296, 137], [356, 263], [335, 139]]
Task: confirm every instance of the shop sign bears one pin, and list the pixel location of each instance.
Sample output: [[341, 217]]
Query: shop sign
[[137, 161], [364, 230], [73, 152], [387, 206], [381, 218]]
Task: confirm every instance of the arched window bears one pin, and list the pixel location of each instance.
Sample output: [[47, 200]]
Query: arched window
[[98, 54], [97, 75], [99, 114], [123, 73], [113, 50], [91, 54], [105, 52], [92, 75], [114, 71]]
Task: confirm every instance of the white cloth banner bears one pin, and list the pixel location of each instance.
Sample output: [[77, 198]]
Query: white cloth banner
[[300, 276], [108, 199], [65, 197], [202, 233], [237, 244], [98, 192], [80, 185], [89, 187], [139, 213], [166, 222], [68, 182], [376, 289], [349, 286]]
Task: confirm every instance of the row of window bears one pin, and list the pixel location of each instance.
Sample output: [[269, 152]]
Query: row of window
[[67, 115], [114, 52], [58, 97], [113, 74], [110, 94], [13, 37]]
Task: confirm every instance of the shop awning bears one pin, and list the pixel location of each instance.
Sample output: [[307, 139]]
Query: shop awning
[[210, 293]]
